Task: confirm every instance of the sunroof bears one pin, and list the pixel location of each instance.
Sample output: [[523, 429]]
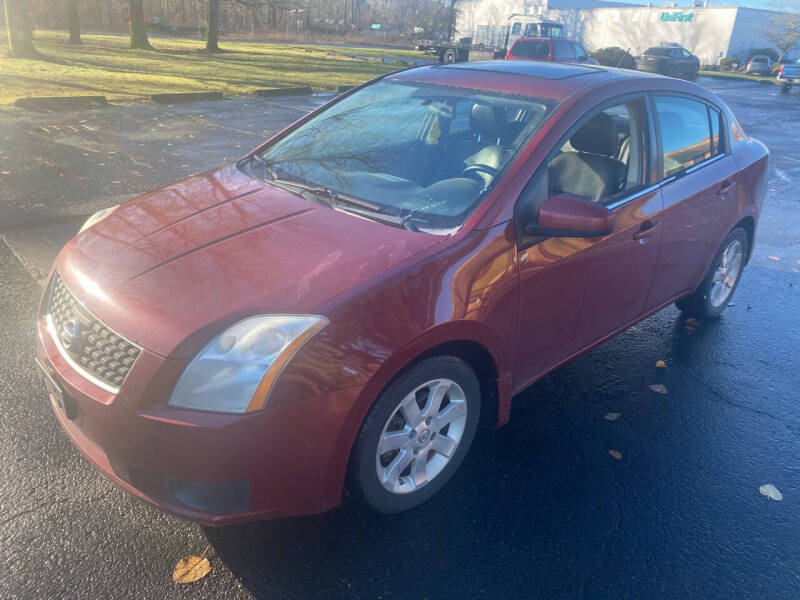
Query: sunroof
[[531, 68]]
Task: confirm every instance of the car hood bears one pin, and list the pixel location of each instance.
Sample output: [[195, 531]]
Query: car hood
[[181, 262]]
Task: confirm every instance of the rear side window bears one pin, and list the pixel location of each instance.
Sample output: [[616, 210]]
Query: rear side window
[[531, 29], [516, 28], [580, 53], [685, 133], [531, 49], [563, 51]]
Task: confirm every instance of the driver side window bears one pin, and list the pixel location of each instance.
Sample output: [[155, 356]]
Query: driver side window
[[604, 158]]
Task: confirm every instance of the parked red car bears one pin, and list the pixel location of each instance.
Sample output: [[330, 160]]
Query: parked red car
[[549, 50], [344, 303]]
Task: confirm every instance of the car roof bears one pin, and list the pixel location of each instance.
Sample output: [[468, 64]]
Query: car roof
[[540, 79], [530, 38]]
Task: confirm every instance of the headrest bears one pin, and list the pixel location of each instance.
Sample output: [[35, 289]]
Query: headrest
[[596, 136], [487, 120]]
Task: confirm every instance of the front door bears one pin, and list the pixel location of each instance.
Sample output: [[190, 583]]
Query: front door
[[577, 291]]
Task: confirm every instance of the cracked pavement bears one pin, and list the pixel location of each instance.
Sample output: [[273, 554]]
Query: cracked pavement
[[539, 509]]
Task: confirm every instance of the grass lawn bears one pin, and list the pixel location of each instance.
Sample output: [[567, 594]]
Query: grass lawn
[[105, 65], [738, 76]]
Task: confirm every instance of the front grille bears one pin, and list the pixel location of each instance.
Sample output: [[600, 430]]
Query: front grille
[[97, 351]]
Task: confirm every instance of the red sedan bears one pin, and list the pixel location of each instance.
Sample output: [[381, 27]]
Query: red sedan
[[343, 304]]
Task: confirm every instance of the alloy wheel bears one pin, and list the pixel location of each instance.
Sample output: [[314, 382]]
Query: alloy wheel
[[726, 274], [421, 436]]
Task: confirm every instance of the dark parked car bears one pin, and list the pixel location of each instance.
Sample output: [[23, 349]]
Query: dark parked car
[[341, 305], [549, 50], [670, 60], [759, 65]]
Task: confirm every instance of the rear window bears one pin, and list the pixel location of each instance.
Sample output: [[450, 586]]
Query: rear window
[[658, 51], [759, 59], [531, 49]]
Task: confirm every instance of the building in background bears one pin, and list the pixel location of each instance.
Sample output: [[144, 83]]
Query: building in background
[[710, 32]]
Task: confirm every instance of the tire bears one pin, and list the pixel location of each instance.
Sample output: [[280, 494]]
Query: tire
[[707, 301], [785, 88], [669, 70], [692, 75], [449, 57], [414, 442]]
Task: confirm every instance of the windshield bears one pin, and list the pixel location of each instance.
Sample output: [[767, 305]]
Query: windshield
[[420, 151], [658, 51]]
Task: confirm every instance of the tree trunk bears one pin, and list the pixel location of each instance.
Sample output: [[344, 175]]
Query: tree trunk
[[74, 22], [212, 39], [138, 26], [451, 20], [20, 38]]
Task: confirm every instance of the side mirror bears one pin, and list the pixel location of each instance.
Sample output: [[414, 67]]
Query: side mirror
[[565, 215]]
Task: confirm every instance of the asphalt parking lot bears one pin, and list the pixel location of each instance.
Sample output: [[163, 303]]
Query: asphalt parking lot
[[540, 508]]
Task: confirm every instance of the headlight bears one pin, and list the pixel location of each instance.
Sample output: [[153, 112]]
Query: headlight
[[97, 217], [236, 370]]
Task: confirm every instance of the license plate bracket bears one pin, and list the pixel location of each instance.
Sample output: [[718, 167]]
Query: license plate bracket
[[61, 398]]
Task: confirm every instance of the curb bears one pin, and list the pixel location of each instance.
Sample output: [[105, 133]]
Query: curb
[[59, 103], [185, 97], [344, 88], [278, 92]]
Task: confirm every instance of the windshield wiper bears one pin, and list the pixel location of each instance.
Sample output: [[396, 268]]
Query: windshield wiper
[[338, 200]]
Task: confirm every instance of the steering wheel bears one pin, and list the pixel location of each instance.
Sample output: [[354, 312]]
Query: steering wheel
[[477, 171]]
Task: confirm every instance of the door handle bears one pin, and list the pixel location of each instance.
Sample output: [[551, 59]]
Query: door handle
[[726, 187], [647, 229]]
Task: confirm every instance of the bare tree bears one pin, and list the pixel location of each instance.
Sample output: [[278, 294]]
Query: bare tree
[[74, 22], [784, 32], [20, 38], [138, 26]]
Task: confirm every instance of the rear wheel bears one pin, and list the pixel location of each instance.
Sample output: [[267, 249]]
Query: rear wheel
[[449, 57], [669, 71], [417, 434], [715, 292]]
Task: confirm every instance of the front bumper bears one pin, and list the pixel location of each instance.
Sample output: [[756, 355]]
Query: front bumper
[[217, 469]]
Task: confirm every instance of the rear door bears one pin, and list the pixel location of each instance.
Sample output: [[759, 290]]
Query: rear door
[[697, 178]]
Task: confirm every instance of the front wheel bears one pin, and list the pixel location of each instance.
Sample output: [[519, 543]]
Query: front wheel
[[715, 292], [416, 435]]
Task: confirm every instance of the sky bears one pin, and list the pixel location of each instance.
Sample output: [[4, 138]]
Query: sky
[[786, 5]]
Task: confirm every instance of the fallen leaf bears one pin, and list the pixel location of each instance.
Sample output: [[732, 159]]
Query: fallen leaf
[[771, 492], [659, 388], [797, 260], [773, 257], [611, 416], [795, 270], [6, 172], [660, 364], [692, 322], [616, 454], [191, 568]]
